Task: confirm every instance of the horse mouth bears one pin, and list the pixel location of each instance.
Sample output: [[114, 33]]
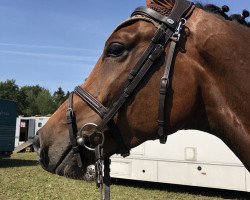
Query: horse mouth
[[66, 165]]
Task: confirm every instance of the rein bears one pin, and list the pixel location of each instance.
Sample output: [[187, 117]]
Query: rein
[[170, 28]]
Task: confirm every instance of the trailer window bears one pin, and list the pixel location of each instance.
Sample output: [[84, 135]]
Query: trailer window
[[40, 124]]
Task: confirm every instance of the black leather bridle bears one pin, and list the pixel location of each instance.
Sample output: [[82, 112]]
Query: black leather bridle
[[170, 29]]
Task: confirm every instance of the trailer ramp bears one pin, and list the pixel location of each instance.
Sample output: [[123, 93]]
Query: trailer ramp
[[23, 146]]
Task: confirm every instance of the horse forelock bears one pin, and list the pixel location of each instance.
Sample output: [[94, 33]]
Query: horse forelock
[[163, 7]]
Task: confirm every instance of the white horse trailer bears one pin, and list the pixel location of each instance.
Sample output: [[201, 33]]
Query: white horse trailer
[[26, 128], [188, 158]]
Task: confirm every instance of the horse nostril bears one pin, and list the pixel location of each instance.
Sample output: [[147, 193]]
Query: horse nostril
[[36, 143]]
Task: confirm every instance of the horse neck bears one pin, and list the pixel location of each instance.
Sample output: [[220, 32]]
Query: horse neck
[[223, 48]]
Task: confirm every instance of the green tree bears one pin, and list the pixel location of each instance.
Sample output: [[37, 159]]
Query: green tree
[[67, 95], [31, 93], [44, 102], [39, 101], [59, 97], [10, 90], [32, 100]]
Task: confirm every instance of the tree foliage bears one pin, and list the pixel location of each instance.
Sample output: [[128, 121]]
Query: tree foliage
[[32, 100], [9, 90], [59, 97], [45, 102]]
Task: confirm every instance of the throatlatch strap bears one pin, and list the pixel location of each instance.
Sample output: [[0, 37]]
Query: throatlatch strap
[[163, 91]]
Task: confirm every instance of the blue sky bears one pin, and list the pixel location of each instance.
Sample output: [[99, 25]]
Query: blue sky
[[57, 42]]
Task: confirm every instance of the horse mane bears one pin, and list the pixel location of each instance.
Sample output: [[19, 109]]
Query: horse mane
[[222, 12]]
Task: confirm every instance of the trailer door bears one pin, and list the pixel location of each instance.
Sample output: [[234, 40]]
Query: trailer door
[[31, 130]]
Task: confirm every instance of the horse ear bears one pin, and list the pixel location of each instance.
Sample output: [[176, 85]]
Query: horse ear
[[161, 6]]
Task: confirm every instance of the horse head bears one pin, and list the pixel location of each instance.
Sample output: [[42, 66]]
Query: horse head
[[203, 88]]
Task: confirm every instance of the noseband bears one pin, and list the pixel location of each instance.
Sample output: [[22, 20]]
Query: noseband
[[170, 28]]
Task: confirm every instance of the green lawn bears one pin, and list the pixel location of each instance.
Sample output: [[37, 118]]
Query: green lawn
[[21, 177]]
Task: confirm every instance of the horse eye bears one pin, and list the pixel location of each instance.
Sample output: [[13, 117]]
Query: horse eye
[[115, 50]]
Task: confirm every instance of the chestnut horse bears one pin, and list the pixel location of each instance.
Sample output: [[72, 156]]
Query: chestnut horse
[[209, 91]]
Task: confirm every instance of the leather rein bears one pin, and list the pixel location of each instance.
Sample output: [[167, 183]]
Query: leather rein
[[170, 28]]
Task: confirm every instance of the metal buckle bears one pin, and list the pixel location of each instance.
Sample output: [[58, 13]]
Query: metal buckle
[[70, 115], [177, 34], [156, 53]]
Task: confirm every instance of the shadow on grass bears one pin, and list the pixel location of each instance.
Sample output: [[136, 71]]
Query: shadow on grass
[[208, 192], [6, 163]]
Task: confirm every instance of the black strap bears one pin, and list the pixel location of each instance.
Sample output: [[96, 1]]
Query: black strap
[[91, 101], [102, 181], [73, 130], [163, 91], [171, 23], [106, 179]]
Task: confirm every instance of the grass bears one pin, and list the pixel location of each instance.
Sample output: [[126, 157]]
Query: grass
[[22, 178]]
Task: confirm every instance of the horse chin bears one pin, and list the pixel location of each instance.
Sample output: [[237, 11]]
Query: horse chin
[[67, 166], [70, 169]]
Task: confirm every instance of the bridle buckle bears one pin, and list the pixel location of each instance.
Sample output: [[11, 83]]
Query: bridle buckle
[[177, 34], [70, 115]]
